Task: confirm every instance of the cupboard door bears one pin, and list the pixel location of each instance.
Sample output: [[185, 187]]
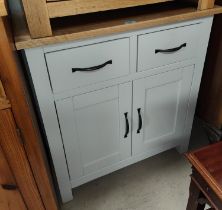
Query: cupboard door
[[159, 109], [96, 129]]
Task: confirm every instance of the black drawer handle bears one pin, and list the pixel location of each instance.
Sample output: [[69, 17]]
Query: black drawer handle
[[140, 121], [127, 125], [9, 187], [93, 68], [171, 50]]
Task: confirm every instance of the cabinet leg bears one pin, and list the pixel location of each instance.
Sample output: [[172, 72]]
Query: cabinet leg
[[183, 148]]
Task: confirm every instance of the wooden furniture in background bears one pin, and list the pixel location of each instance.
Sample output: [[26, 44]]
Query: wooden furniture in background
[[210, 97], [206, 179], [20, 140], [11, 145], [111, 22], [3, 11], [39, 13], [10, 197]]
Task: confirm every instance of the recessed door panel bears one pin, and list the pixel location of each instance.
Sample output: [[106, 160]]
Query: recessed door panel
[[159, 109], [96, 129], [160, 114]]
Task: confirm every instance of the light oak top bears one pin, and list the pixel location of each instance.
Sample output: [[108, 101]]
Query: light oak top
[[94, 25], [3, 11]]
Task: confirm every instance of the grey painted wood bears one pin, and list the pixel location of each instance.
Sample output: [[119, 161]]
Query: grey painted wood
[[93, 128], [165, 87], [163, 100], [61, 63], [187, 37], [38, 70], [205, 30]]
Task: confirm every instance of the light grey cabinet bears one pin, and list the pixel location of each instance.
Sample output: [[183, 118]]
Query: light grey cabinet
[[112, 101]]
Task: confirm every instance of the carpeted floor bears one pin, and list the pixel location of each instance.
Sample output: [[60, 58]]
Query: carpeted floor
[[158, 183]]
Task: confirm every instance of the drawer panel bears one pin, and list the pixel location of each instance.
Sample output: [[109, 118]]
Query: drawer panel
[[167, 47], [81, 66]]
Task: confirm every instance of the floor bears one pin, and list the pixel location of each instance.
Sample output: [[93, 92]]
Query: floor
[[157, 183]]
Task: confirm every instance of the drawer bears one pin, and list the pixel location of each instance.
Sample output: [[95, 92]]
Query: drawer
[[167, 47], [81, 66]]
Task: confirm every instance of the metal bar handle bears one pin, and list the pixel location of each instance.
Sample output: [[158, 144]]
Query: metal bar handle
[[171, 50], [93, 68], [127, 125], [140, 121]]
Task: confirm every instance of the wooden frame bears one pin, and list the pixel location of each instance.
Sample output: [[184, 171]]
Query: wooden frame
[[37, 18], [75, 7], [24, 149], [3, 10], [38, 13]]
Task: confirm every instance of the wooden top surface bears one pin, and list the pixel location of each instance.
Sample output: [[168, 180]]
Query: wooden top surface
[[111, 22], [208, 162], [3, 11]]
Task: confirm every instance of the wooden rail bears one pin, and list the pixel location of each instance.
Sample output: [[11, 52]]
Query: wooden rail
[[4, 102], [40, 12], [3, 10], [76, 7]]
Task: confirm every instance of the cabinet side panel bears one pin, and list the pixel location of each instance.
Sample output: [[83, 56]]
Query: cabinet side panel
[[38, 70], [204, 39]]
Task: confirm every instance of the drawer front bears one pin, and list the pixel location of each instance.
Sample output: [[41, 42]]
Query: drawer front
[[81, 66], [167, 47]]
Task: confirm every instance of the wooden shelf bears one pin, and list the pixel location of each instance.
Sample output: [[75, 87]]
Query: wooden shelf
[[39, 13], [76, 7], [111, 22]]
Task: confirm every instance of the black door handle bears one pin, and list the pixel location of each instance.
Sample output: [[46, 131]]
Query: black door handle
[[93, 68], [171, 50], [127, 125], [9, 187], [140, 121]]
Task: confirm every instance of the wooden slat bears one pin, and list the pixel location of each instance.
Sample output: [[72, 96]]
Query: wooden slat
[[15, 154], [9, 199], [15, 88], [4, 102], [206, 4], [3, 11], [37, 18], [2, 91], [75, 7], [106, 25], [60, 8]]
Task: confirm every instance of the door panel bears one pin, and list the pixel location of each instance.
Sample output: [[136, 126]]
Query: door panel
[[163, 100], [159, 112], [94, 126]]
